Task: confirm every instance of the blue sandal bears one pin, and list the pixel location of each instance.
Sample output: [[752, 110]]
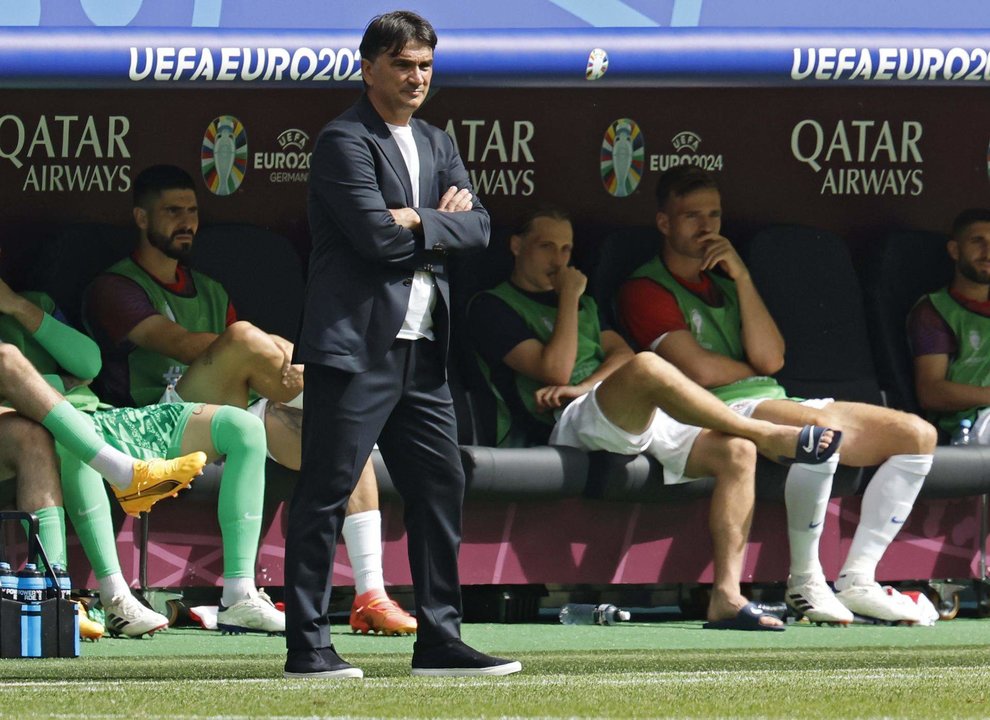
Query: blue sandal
[[807, 446], [748, 618]]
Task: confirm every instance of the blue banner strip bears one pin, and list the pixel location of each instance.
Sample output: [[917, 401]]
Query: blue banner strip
[[129, 57]]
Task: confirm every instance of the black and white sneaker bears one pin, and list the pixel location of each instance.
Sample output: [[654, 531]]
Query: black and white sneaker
[[320, 663], [125, 615], [455, 659], [814, 599]]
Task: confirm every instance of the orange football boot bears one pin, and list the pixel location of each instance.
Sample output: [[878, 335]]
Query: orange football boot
[[374, 611]]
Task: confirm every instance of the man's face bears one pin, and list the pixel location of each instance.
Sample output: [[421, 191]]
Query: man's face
[[690, 221], [171, 222], [971, 251], [541, 252], [398, 84]]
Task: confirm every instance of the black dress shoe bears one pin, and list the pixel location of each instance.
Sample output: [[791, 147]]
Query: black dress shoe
[[455, 659], [319, 663]]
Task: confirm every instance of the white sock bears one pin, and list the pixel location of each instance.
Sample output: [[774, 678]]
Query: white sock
[[363, 537], [887, 503], [806, 494], [115, 466], [111, 586], [237, 589]]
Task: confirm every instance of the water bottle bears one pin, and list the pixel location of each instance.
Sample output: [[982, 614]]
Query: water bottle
[[8, 582], [64, 587], [961, 435], [581, 614], [30, 584], [30, 591]]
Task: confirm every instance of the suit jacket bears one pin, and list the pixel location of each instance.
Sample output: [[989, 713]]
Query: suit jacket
[[362, 263]]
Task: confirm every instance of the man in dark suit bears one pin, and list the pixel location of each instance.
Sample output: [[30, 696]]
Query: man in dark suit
[[388, 199]]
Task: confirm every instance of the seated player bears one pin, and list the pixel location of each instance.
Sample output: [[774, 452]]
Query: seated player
[[169, 333], [949, 334], [546, 354], [191, 432], [716, 329]]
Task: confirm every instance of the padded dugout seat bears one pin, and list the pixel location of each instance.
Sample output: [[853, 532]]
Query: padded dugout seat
[[261, 271], [76, 255], [618, 257], [905, 266], [807, 280]]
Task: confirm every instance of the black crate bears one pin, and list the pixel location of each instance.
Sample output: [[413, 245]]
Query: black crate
[[59, 621]]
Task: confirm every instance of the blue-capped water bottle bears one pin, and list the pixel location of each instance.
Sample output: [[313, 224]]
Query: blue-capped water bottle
[[64, 587], [8, 582], [962, 434], [582, 614], [30, 591]]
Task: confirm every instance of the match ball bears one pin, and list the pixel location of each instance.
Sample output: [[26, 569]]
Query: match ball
[[597, 64]]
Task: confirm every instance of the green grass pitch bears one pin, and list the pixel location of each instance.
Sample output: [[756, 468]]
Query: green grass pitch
[[637, 670]]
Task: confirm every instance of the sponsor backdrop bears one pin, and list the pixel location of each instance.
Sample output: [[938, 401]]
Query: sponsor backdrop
[[855, 161]]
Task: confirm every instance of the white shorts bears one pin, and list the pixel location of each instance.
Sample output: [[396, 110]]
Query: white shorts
[[256, 408], [746, 406], [583, 425]]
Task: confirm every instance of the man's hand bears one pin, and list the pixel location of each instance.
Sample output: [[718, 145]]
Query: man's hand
[[407, 218], [555, 396], [719, 252], [292, 375], [455, 200], [569, 281]]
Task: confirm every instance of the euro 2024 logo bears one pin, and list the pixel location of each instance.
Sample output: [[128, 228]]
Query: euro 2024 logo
[[224, 155], [622, 157]]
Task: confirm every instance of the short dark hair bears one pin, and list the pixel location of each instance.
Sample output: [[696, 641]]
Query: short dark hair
[[153, 181], [391, 32], [543, 211], [682, 180], [968, 217]]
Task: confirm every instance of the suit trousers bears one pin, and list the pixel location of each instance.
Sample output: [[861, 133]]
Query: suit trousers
[[403, 402]]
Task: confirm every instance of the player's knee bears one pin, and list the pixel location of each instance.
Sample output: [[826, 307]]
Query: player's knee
[[246, 338], [651, 369], [735, 459], [235, 430], [920, 435]]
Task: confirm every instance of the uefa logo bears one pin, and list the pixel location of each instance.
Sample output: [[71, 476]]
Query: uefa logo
[[622, 157], [224, 155]]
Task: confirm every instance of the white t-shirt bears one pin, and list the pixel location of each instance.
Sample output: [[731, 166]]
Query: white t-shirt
[[418, 322]]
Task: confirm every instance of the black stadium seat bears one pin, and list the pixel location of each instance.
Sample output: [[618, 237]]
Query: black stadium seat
[[76, 255], [618, 256], [808, 282], [260, 270]]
